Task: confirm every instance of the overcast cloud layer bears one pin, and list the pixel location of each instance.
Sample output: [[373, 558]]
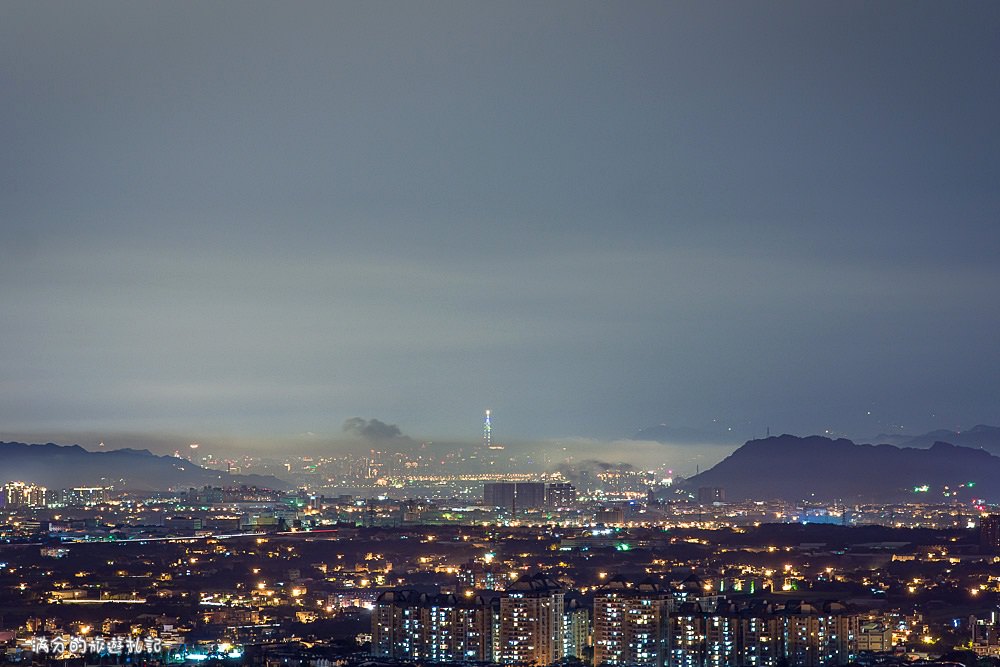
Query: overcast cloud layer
[[263, 219]]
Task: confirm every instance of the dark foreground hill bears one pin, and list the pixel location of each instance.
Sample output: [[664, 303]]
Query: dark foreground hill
[[66, 466], [816, 468]]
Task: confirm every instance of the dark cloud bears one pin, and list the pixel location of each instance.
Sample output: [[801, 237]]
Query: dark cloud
[[591, 466], [372, 429]]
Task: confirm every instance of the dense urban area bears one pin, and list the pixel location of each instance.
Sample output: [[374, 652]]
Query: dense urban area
[[387, 558], [510, 333]]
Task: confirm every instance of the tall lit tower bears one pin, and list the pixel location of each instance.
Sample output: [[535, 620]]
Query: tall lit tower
[[487, 432]]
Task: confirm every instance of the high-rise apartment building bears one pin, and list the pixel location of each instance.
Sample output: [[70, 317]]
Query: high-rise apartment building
[[818, 635], [407, 625], [708, 495], [560, 494], [456, 629], [499, 494], [514, 496], [397, 625], [576, 630], [529, 495], [19, 494], [759, 635], [630, 624], [989, 533], [531, 622], [634, 624], [719, 634]]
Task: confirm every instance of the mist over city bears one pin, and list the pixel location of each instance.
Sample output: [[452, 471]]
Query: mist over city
[[520, 334]]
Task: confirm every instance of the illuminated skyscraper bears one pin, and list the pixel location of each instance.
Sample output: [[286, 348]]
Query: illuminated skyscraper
[[491, 450]]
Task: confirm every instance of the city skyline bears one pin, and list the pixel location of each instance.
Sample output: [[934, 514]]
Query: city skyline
[[248, 226]]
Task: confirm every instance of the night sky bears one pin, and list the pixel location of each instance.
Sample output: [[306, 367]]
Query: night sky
[[253, 221]]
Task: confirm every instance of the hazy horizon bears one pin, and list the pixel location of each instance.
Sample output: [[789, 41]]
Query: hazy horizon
[[685, 458]]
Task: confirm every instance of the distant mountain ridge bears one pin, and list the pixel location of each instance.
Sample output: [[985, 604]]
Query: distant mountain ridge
[[66, 466], [980, 436], [816, 468]]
